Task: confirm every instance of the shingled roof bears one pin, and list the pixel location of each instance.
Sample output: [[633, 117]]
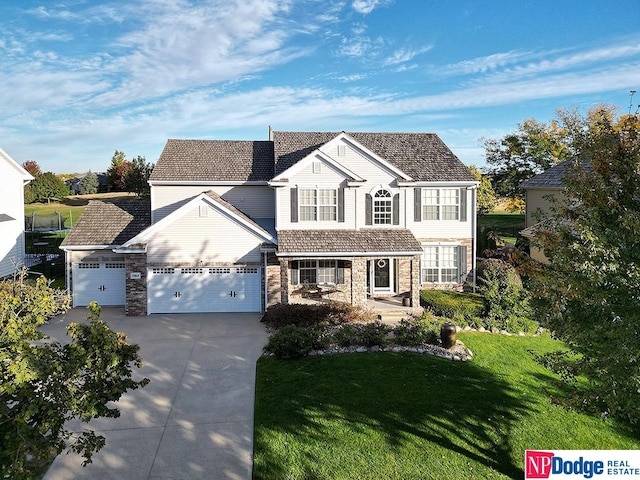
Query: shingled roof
[[423, 156], [109, 223], [551, 178], [346, 242], [215, 160], [217, 198]]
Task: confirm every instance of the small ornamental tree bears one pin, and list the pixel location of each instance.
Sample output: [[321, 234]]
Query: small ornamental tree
[[45, 384], [588, 294]]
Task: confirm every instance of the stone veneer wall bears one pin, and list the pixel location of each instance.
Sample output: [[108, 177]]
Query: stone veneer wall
[[409, 278], [359, 281], [274, 288], [136, 289], [284, 281]]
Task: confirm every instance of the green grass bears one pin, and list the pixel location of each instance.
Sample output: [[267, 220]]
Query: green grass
[[505, 225], [72, 206], [410, 416]]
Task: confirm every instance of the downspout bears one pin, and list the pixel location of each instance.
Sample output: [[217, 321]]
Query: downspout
[[266, 287], [68, 271], [474, 236]]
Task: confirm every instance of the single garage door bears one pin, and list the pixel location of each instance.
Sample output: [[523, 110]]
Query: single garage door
[[203, 289], [99, 281]]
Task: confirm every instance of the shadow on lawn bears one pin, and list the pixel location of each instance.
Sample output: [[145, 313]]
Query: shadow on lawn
[[457, 407]]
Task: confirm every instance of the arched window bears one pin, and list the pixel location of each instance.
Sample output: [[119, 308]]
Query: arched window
[[382, 208]]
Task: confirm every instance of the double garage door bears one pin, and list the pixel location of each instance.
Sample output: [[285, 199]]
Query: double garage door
[[172, 289], [203, 289]]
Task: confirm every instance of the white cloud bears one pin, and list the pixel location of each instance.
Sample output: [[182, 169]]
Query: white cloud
[[404, 55], [366, 6]]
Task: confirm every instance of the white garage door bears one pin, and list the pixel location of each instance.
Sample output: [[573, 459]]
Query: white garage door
[[203, 289], [102, 282]]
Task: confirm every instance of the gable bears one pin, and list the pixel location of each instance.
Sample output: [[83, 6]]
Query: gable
[[9, 168], [420, 156], [199, 207]]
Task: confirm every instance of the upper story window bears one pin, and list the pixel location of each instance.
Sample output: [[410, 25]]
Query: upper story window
[[382, 208], [317, 204], [440, 204]]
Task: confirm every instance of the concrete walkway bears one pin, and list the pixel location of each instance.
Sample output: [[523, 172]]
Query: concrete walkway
[[195, 419]]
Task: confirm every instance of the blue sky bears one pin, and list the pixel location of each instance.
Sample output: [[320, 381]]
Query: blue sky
[[81, 79]]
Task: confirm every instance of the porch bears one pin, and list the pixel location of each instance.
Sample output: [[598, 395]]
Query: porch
[[390, 310]]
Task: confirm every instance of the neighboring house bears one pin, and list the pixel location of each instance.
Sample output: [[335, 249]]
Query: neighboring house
[[241, 225], [539, 192], [14, 178], [74, 183]]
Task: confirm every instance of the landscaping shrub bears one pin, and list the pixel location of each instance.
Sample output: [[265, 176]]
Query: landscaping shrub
[[291, 341], [365, 334], [463, 308], [415, 331], [506, 301], [302, 315]]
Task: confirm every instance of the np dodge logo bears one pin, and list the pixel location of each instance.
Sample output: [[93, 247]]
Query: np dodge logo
[[603, 464]]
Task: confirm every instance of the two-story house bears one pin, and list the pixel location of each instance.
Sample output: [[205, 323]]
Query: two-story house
[[241, 225], [541, 192], [12, 241]]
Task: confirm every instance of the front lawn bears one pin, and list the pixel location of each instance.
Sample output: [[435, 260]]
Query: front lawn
[[411, 416]]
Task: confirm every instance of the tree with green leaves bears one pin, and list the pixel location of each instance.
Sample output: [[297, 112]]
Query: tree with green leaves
[[486, 198], [88, 184], [588, 294], [536, 146], [45, 383], [44, 188], [136, 178]]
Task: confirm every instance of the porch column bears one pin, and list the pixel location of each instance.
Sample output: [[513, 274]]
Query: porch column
[[415, 281], [359, 282], [284, 281]]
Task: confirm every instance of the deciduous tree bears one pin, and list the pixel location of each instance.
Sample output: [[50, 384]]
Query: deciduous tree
[[486, 199], [136, 178], [32, 167], [45, 187], [45, 383], [588, 295], [117, 170]]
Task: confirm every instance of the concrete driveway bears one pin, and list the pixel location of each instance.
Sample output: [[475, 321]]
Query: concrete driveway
[[195, 419]]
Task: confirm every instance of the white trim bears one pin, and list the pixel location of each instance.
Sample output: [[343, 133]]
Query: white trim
[[67, 248], [313, 157], [349, 254], [355, 145], [391, 289], [148, 233], [468, 185], [26, 176], [155, 183]]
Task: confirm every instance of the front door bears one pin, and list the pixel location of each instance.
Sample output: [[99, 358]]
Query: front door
[[381, 276]]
